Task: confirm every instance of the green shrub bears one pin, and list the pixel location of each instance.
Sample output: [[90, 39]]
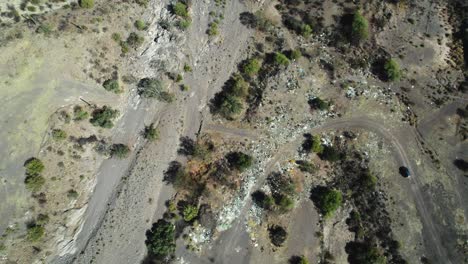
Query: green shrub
[[140, 25], [35, 233], [45, 29], [120, 151], [392, 69], [86, 3], [317, 103], [151, 133], [187, 68], [184, 87], [327, 200], [331, 154], [239, 87], [181, 10], [34, 182], [103, 117], [306, 166], [251, 67], [160, 240], [230, 106], [359, 27], [183, 24], [179, 78], [112, 85], [72, 194], [150, 88], [317, 146], [306, 30], [34, 166], [190, 212], [239, 160], [281, 59], [295, 54], [59, 134], [79, 113], [303, 260], [143, 3], [134, 40], [116, 37], [31, 8], [42, 219], [285, 203], [213, 29], [124, 47], [277, 235]]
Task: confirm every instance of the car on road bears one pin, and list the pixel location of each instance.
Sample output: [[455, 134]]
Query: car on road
[[405, 172]]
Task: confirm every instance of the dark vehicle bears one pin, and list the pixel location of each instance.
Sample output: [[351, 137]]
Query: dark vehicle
[[404, 171]]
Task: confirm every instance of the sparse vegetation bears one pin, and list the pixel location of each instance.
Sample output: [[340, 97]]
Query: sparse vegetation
[[120, 151], [59, 134], [151, 133], [79, 113], [103, 117], [392, 70], [34, 166], [317, 103], [72, 194], [187, 68], [213, 29], [239, 87], [134, 40], [153, 88], [35, 233]]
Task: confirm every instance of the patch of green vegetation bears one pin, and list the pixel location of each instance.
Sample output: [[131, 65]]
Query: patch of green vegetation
[[190, 212], [187, 68], [251, 67], [281, 59], [35, 232], [124, 47], [313, 143], [151, 133], [284, 203], [239, 161], [34, 182], [295, 54], [134, 40], [230, 107], [31, 8], [327, 200], [153, 88], [359, 27], [45, 29], [120, 151], [392, 70], [213, 29], [34, 166], [112, 85], [72, 194], [180, 9], [103, 117], [79, 113], [306, 30], [306, 166], [116, 37], [140, 25], [183, 24], [86, 3], [239, 87], [331, 154], [143, 3], [184, 87], [58, 134], [179, 78], [318, 103], [160, 240]]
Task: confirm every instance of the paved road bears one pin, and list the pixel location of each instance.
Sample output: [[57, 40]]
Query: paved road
[[234, 237]]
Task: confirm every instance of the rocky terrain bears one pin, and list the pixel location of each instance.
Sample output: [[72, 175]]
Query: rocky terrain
[[234, 131]]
